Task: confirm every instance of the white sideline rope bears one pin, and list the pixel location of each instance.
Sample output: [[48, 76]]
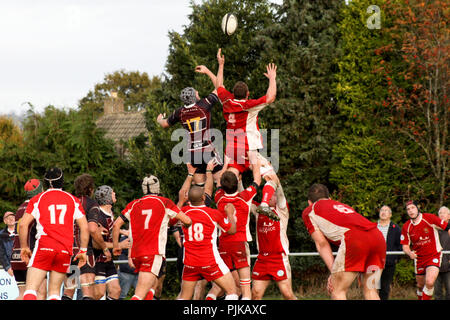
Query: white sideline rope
[[292, 254]]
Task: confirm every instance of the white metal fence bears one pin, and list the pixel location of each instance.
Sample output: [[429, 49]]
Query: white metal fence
[[292, 254]]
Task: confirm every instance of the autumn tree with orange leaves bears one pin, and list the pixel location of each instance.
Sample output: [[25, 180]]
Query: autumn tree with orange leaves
[[418, 89]]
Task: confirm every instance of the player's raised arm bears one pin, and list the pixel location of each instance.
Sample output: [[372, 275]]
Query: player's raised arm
[[221, 62], [183, 193], [162, 120], [209, 183], [230, 210], [117, 250], [203, 69], [185, 220], [271, 74]]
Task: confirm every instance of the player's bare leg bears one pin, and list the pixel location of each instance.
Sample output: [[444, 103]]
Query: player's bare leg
[[56, 279], [268, 174], [226, 282], [87, 281], [420, 283], [199, 291], [431, 274], [113, 288], [99, 288], [187, 290], [259, 288], [245, 283], [214, 292], [34, 279], [286, 291], [146, 280], [199, 179], [369, 284], [341, 282]]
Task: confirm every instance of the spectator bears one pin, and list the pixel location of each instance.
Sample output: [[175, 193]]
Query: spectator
[[7, 240], [391, 233], [32, 187], [443, 279], [127, 276]]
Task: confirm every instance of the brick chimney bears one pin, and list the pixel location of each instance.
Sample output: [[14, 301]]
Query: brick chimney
[[113, 104]]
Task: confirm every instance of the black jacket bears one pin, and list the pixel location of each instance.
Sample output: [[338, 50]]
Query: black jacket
[[393, 243], [444, 239]]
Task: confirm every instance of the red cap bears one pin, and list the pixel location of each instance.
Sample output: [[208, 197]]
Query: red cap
[[32, 184]]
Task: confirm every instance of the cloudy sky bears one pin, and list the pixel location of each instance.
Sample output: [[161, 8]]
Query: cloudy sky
[[55, 51]]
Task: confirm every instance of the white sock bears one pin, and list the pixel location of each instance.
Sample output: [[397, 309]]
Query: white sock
[[232, 297]]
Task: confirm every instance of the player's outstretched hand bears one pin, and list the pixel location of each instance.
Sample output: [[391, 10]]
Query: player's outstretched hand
[[130, 263], [117, 251], [201, 69], [191, 169], [82, 259], [212, 164], [271, 71], [161, 116], [220, 57], [25, 254], [107, 254]]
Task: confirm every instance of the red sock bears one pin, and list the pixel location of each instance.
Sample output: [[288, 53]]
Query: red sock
[[211, 296], [268, 192], [135, 298], [419, 295], [425, 296], [149, 295], [30, 295]]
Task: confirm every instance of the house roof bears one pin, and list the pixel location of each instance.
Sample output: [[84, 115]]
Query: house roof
[[123, 125]]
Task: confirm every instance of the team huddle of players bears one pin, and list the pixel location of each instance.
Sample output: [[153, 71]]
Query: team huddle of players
[[215, 239]]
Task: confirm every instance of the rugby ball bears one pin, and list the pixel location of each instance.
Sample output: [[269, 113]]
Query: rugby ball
[[229, 24]]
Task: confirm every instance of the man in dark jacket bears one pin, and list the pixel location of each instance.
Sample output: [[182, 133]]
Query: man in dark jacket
[[391, 233], [443, 279], [6, 241]]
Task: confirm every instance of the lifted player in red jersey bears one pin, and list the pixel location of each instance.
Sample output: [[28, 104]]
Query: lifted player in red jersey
[[272, 241], [420, 241], [362, 248], [55, 212], [243, 136], [148, 221]]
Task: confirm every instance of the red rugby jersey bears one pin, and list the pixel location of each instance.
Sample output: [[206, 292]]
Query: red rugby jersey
[[334, 219], [271, 236], [423, 236], [200, 239], [242, 120], [149, 217], [55, 212], [242, 204]]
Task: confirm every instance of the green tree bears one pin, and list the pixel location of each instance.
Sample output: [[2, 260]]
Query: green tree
[[303, 43], [132, 86], [366, 170]]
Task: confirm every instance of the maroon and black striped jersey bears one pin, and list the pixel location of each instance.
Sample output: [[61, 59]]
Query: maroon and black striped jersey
[[196, 119], [16, 261]]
